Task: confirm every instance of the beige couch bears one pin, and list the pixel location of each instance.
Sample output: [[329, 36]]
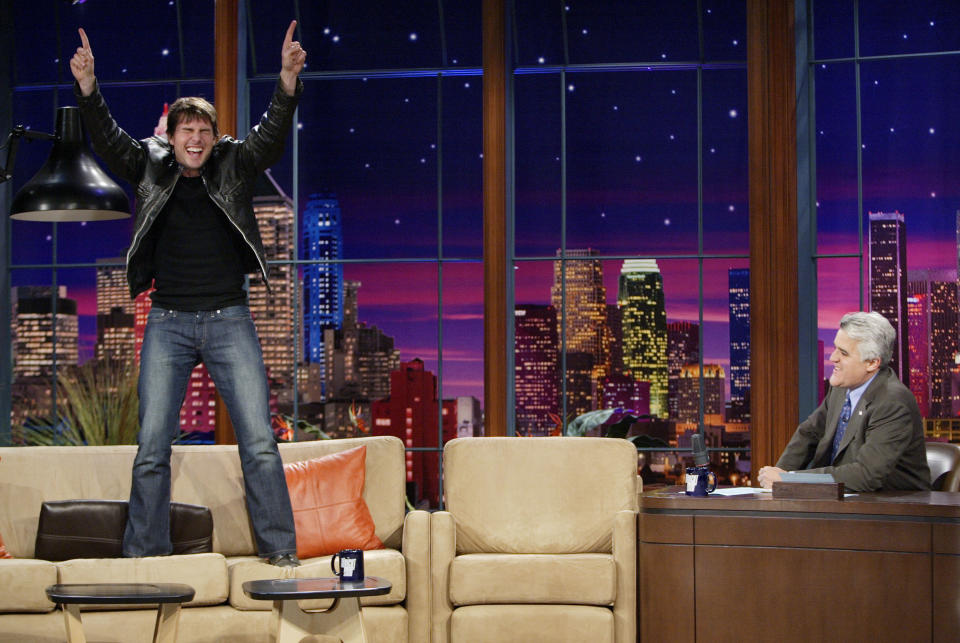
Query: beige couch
[[209, 476], [538, 542]]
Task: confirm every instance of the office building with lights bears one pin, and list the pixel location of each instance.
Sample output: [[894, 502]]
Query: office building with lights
[[411, 413], [322, 282], [683, 347], [580, 299], [888, 282], [641, 301], [536, 368], [739, 304], [272, 308]]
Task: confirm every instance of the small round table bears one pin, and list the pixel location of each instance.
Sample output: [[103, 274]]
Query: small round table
[[168, 596], [343, 618]]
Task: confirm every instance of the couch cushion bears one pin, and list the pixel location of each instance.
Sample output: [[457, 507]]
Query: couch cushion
[[576, 579], [533, 499], [23, 584], [385, 563], [94, 529], [329, 511], [531, 624], [205, 573]]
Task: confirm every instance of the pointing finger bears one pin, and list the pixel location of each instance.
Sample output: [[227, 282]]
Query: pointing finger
[[289, 37], [84, 40]]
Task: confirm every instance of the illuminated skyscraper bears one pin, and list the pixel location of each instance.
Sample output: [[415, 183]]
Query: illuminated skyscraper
[[580, 299], [115, 312], [33, 325], [272, 310], [943, 342], [536, 368], [322, 282], [580, 382], [739, 301], [689, 393], [683, 347], [615, 328], [918, 314], [888, 282], [641, 302], [33, 330], [410, 413]]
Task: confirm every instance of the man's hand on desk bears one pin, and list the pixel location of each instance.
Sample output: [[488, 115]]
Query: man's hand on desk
[[769, 475]]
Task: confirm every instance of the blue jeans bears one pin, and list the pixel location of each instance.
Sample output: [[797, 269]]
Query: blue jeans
[[226, 341]]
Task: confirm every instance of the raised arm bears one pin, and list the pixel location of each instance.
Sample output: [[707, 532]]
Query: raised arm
[[81, 65], [292, 58]]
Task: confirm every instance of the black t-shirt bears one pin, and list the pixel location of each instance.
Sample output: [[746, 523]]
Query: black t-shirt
[[197, 258]]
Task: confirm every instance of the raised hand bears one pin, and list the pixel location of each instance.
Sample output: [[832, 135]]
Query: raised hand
[[81, 65], [292, 58]]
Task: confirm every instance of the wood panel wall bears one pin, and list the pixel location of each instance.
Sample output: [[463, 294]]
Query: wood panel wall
[[774, 377]]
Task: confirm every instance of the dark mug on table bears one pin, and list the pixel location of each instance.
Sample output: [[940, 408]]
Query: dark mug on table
[[350, 564], [700, 481]]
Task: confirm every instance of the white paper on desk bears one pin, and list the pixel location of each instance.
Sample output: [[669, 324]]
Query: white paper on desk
[[737, 491]]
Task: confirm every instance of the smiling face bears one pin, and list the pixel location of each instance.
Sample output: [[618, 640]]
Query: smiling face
[[849, 370], [192, 144]]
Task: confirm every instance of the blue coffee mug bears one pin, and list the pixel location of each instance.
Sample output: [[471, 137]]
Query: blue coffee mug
[[700, 481], [351, 565]]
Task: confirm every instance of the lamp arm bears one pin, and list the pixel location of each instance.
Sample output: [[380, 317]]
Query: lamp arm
[[13, 142]]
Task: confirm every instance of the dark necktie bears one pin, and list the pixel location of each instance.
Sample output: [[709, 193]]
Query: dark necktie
[[845, 413]]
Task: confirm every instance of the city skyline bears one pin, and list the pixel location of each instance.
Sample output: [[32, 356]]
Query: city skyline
[[631, 143]]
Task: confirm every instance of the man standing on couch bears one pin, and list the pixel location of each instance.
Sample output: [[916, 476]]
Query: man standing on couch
[[195, 237]]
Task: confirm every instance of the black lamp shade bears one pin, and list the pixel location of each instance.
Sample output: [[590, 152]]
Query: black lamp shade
[[70, 186]]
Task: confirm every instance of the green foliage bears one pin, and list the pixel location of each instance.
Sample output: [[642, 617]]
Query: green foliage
[[97, 404]]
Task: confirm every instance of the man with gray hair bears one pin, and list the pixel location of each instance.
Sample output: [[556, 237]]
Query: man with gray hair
[[867, 433]]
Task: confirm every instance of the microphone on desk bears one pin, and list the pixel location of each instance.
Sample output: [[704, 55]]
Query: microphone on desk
[[700, 480], [700, 457]]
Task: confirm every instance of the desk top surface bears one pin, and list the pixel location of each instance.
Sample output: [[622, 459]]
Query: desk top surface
[[940, 504], [303, 588], [120, 593]]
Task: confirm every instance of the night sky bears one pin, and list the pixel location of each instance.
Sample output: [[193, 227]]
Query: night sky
[[631, 144]]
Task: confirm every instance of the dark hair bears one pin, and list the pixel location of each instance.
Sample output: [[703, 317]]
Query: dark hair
[[188, 109]]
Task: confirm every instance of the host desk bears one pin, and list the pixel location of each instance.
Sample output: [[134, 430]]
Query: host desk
[[872, 567]]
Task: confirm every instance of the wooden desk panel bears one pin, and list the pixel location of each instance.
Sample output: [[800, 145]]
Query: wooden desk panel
[[666, 593], [757, 594], [879, 567], [946, 598], [806, 532]]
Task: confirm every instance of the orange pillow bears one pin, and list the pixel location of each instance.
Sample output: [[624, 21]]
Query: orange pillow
[[329, 511]]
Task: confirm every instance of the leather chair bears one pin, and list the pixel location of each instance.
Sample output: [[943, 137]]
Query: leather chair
[[538, 541], [943, 458]]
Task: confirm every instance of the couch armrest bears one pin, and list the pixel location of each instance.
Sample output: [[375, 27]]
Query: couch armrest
[[443, 548], [416, 556], [625, 558]]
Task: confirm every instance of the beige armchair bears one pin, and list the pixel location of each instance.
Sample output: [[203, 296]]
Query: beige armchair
[[538, 541]]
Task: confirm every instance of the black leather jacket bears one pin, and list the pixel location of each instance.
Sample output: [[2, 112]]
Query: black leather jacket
[[229, 174]]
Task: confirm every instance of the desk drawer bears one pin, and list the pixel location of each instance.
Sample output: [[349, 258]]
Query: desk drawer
[[825, 533]]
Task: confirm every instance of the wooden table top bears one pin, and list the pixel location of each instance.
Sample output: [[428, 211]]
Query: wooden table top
[[939, 504]]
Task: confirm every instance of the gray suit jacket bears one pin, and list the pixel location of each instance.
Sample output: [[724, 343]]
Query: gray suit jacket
[[882, 448]]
